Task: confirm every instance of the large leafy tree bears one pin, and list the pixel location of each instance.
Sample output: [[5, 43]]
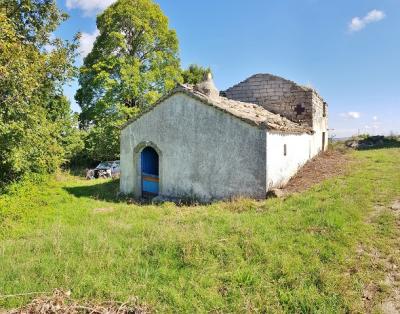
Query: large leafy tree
[[133, 62], [37, 129]]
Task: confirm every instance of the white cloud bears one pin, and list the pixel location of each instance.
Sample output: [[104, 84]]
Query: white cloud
[[89, 7], [49, 47], [374, 16], [86, 42], [375, 118], [351, 115], [358, 23]]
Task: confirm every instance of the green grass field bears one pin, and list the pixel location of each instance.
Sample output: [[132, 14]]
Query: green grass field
[[296, 255]]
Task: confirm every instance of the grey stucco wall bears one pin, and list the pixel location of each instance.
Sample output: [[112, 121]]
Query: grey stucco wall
[[204, 153]]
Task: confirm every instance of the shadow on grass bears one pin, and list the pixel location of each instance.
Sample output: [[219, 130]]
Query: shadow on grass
[[104, 190], [109, 191]]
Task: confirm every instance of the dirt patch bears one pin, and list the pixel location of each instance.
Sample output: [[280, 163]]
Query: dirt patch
[[396, 207], [329, 164], [61, 303], [390, 305], [103, 210]]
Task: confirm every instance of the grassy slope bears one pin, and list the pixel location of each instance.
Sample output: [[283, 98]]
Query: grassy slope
[[294, 255]]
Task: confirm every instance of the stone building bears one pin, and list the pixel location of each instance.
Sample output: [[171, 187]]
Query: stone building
[[198, 143]]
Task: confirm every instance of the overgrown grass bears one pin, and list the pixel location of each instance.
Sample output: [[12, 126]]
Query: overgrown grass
[[294, 255]]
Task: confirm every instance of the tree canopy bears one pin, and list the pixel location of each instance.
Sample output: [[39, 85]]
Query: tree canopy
[[37, 130], [133, 62], [33, 20]]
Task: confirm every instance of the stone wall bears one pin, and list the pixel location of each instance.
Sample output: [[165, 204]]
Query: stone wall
[[277, 95], [320, 112], [320, 119]]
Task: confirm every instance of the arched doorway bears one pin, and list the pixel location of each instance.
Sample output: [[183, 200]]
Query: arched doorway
[[149, 172]]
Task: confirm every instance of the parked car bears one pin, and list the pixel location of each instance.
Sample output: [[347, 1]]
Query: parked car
[[105, 169]]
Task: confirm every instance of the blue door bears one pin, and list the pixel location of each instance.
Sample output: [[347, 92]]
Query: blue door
[[150, 176]]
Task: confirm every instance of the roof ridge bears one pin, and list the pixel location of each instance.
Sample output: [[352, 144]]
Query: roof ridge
[[274, 76], [250, 113]]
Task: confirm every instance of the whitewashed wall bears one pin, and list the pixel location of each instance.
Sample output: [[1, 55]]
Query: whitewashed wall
[[299, 149]]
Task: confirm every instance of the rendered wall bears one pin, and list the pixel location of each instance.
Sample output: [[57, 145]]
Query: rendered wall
[[299, 149], [204, 153]]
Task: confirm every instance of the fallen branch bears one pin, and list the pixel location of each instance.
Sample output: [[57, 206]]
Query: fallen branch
[[61, 303]]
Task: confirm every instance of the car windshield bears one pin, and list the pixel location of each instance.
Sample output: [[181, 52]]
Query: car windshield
[[104, 165]]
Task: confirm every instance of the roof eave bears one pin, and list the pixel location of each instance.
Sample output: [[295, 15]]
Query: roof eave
[[183, 90], [261, 124]]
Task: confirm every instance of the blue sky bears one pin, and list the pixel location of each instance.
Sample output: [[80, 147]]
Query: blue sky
[[348, 50]]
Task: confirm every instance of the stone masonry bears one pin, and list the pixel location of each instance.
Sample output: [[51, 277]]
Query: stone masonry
[[281, 96]]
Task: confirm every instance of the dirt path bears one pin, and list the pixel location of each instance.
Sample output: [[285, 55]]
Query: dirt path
[[329, 164]]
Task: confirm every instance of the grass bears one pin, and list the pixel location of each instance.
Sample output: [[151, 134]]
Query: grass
[[293, 255]]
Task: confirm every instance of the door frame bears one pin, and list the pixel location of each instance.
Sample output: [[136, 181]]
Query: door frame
[[147, 176], [137, 161]]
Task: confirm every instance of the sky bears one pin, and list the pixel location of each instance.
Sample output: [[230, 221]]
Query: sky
[[349, 51]]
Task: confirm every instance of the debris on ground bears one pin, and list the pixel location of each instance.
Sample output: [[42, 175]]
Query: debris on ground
[[326, 165], [61, 303], [89, 174]]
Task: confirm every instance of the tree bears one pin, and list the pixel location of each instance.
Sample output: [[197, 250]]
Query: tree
[[133, 62], [194, 74], [37, 131], [33, 20]]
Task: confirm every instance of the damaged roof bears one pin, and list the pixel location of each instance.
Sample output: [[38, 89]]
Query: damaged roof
[[250, 113], [273, 77]]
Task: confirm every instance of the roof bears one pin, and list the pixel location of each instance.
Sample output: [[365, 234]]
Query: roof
[[250, 113]]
